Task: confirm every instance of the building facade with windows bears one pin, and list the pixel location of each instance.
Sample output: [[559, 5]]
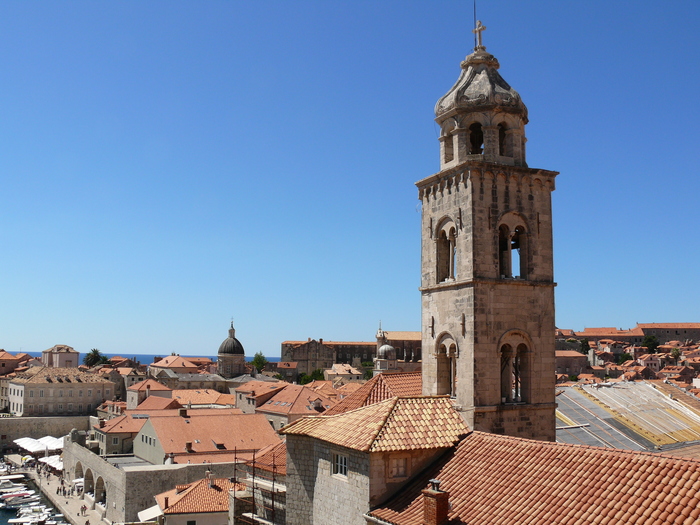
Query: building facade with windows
[[44, 391]]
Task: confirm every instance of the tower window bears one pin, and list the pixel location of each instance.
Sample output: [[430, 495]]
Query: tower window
[[446, 253], [514, 374], [447, 367], [512, 252], [476, 139]]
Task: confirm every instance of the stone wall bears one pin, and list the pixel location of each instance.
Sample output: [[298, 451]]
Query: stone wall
[[317, 496], [130, 489], [38, 427]]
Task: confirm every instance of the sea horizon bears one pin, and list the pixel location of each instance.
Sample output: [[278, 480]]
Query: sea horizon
[[147, 359]]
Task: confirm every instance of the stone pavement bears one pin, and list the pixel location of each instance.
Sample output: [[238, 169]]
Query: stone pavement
[[69, 506]]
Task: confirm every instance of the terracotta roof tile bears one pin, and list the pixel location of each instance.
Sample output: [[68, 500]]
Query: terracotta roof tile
[[379, 388], [401, 423], [198, 497], [148, 384], [272, 458], [216, 432], [203, 396], [296, 399], [500, 479], [173, 361], [158, 403]]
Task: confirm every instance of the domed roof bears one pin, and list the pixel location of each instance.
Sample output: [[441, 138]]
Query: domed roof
[[231, 345], [386, 352], [480, 87]]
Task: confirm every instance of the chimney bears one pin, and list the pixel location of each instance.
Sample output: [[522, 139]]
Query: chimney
[[435, 504], [102, 423], [165, 503], [183, 412], [188, 446]]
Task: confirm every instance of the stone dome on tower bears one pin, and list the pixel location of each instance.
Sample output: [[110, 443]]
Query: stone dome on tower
[[480, 88], [481, 117], [231, 345], [386, 351]]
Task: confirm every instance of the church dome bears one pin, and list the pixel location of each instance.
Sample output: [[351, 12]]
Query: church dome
[[480, 88], [386, 352], [231, 345]]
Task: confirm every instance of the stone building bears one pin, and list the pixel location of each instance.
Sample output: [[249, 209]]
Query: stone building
[[487, 261], [44, 391], [231, 356], [313, 355], [343, 462], [60, 356]]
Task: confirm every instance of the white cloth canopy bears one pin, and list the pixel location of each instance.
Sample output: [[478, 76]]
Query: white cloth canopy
[[40, 445], [53, 461], [150, 513]]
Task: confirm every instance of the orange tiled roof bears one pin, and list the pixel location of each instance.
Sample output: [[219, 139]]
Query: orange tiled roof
[[668, 326], [148, 384], [506, 480], [198, 497], [258, 388], [295, 399], [158, 403], [173, 361], [207, 429], [202, 396], [569, 353], [403, 336], [348, 388], [272, 458], [125, 424], [379, 388], [400, 423]]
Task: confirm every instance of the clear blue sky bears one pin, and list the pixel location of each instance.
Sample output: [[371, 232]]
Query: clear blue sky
[[166, 166]]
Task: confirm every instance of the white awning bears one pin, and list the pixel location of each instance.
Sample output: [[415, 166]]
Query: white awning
[[53, 461], [150, 513], [40, 445]]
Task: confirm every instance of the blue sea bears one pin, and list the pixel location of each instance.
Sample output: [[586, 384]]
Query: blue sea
[[147, 359]]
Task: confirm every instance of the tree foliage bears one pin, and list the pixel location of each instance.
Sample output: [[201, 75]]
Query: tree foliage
[[675, 353], [585, 347], [651, 342], [624, 357], [316, 375], [94, 357], [259, 361]]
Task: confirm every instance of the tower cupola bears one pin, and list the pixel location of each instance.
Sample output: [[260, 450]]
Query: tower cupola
[[481, 117]]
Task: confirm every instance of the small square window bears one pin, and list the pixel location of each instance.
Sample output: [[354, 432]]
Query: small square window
[[398, 467], [340, 465]]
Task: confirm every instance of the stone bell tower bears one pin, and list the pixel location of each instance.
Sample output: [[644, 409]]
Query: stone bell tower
[[487, 279]]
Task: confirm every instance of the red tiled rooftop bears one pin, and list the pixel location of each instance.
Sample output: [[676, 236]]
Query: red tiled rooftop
[[148, 384], [198, 497], [495, 479], [399, 423], [379, 388]]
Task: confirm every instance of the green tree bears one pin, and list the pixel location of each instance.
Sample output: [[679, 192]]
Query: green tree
[[675, 353], [259, 361], [585, 347], [316, 375], [94, 357], [651, 342], [624, 357]]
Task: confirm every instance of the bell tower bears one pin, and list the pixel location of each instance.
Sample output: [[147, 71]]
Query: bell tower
[[487, 276]]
